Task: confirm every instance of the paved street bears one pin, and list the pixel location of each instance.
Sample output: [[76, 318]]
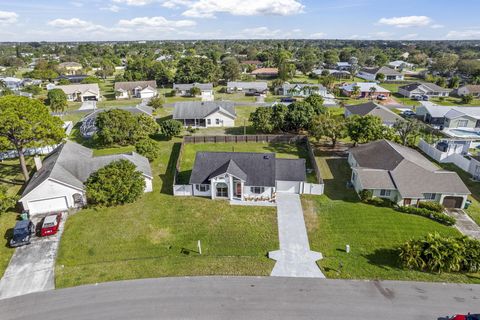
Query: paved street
[[247, 298], [31, 268], [294, 259], [464, 223]]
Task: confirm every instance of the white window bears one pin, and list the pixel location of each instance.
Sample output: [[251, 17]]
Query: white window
[[354, 176], [385, 193], [217, 121], [462, 123], [257, 190], [430, 196], [209, 121], [202, 187], [477, 170]]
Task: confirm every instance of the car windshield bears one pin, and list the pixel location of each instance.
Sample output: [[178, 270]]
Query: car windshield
[[20, 231], [48, 224]]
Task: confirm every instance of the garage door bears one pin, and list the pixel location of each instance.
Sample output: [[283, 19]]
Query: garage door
[[48, 205], [453, 202], [288, 186]]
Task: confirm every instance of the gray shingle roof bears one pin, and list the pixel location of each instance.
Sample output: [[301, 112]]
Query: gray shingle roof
[[371, 108], [82, 88], [384, 70], [256, 169], [201, 109], [130, 85], [72, 164], [188, 86], [255, 85], [411, 173], [425, 86]]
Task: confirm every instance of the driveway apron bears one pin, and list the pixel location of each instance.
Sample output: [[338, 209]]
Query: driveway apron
[[31, 268], [464, 223], [294, 259]]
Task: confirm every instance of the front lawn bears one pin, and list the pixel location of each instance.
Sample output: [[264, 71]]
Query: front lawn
[[373, 233], [282, 150], [454, 101], [157, 236]]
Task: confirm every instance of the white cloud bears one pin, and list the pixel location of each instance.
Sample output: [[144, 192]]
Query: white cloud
[[7, 17], [317, 35], [136, 3], [469, 34], [69, 23], [112, 8], [260, 32], [209, 8], [437, 26], [405, 22], [75, 24], [156, 22], [77, 4]]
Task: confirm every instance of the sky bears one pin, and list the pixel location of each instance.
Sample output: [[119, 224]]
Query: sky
[[99, 20]]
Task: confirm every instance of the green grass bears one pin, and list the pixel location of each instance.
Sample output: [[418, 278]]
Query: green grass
[[338, 218], [157, 236], [453, 101], [282, 150], [109, 151]]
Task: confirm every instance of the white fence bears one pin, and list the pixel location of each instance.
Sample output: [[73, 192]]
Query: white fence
[[183, 190], [453, 155], [313, 188]]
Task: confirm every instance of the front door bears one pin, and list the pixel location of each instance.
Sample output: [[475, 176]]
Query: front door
[[222, 190], [407, 201], [238, 189]]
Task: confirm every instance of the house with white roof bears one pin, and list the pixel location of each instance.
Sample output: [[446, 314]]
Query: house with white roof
[[400, 65], [370, 74], [365, 89], [135, 89]]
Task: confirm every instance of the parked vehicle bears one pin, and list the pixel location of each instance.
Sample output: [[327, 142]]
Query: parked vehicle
[[22, 233], [417, 97], [466, 317], [425, 97], [288, 100], [381, 97], [408, 114], [50, 224]]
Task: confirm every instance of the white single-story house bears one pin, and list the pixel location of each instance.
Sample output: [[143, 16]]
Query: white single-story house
[[473, 89], [400, 65], [58, 184], [135, 89], [252, 87], [370, 74], [365, 89], [404, 176], [301, 89], [205, 114], [457, 122], [184, 89], [389, 118], [245, 176], [81, 92], [343, 66], [420, 89], [12, 83]]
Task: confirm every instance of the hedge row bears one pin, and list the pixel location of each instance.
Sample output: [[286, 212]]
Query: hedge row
[[434, 215]]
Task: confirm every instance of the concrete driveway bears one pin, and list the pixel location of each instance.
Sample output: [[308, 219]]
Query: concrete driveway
[[464, 223], [294, 259], [31, 268]]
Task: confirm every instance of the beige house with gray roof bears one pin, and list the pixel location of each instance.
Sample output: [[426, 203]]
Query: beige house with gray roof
[[404, 176], [81, 92]]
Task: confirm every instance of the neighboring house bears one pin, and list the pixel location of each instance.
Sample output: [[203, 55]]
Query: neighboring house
[[338, 74], [184, 89], [371, 74], [365, 89], [450, 117], [343, 66], [205, 114], [404, 176], [400, 65], [371, 108], [244, 176], [253, 87], [301, 89], [76, 78], [469, 89], [12, 83], [135, 89], [247, 64], [58, 184], [420, 89], [81, 92], [88, 127], [70, 67], [265, 72]]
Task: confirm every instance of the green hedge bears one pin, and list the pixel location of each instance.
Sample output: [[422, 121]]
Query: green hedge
[[436, 216], [432, 206]]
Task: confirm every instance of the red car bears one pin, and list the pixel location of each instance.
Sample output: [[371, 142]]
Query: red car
[[466, 317], [50, 224]]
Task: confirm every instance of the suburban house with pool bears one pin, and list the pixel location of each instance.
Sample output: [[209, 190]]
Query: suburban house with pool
[[58, 184], [404, 176], [246, 176], [205, 114]]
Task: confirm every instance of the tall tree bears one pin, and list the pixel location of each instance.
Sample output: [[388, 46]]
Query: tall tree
[[26, 123], [363, 129], [407, 129], [57, 99], [230, 69], [330, 126]]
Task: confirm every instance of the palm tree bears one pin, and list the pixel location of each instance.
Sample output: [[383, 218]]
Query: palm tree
[[356, 91], [372, 92], [3, 85]]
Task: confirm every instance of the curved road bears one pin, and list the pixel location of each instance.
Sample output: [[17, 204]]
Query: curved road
[[247, 298]]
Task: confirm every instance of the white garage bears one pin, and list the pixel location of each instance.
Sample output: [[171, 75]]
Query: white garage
[[288, 186], [48, 205]]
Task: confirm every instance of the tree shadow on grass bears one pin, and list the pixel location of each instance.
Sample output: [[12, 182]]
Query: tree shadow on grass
[[385, 258], [167, 177]]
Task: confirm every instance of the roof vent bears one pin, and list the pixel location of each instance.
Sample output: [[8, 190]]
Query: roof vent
[[266, 156]]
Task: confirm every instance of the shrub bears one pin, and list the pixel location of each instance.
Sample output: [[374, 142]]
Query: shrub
[[436, 216], [432, 206], [156, 102], [117, 183], [6, 201], [437, 253], [365, 195], [379, 202], [148, 148], [170, 128]]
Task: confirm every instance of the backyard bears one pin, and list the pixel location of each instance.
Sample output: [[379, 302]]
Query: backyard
[[374, 233], [157, 236]]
